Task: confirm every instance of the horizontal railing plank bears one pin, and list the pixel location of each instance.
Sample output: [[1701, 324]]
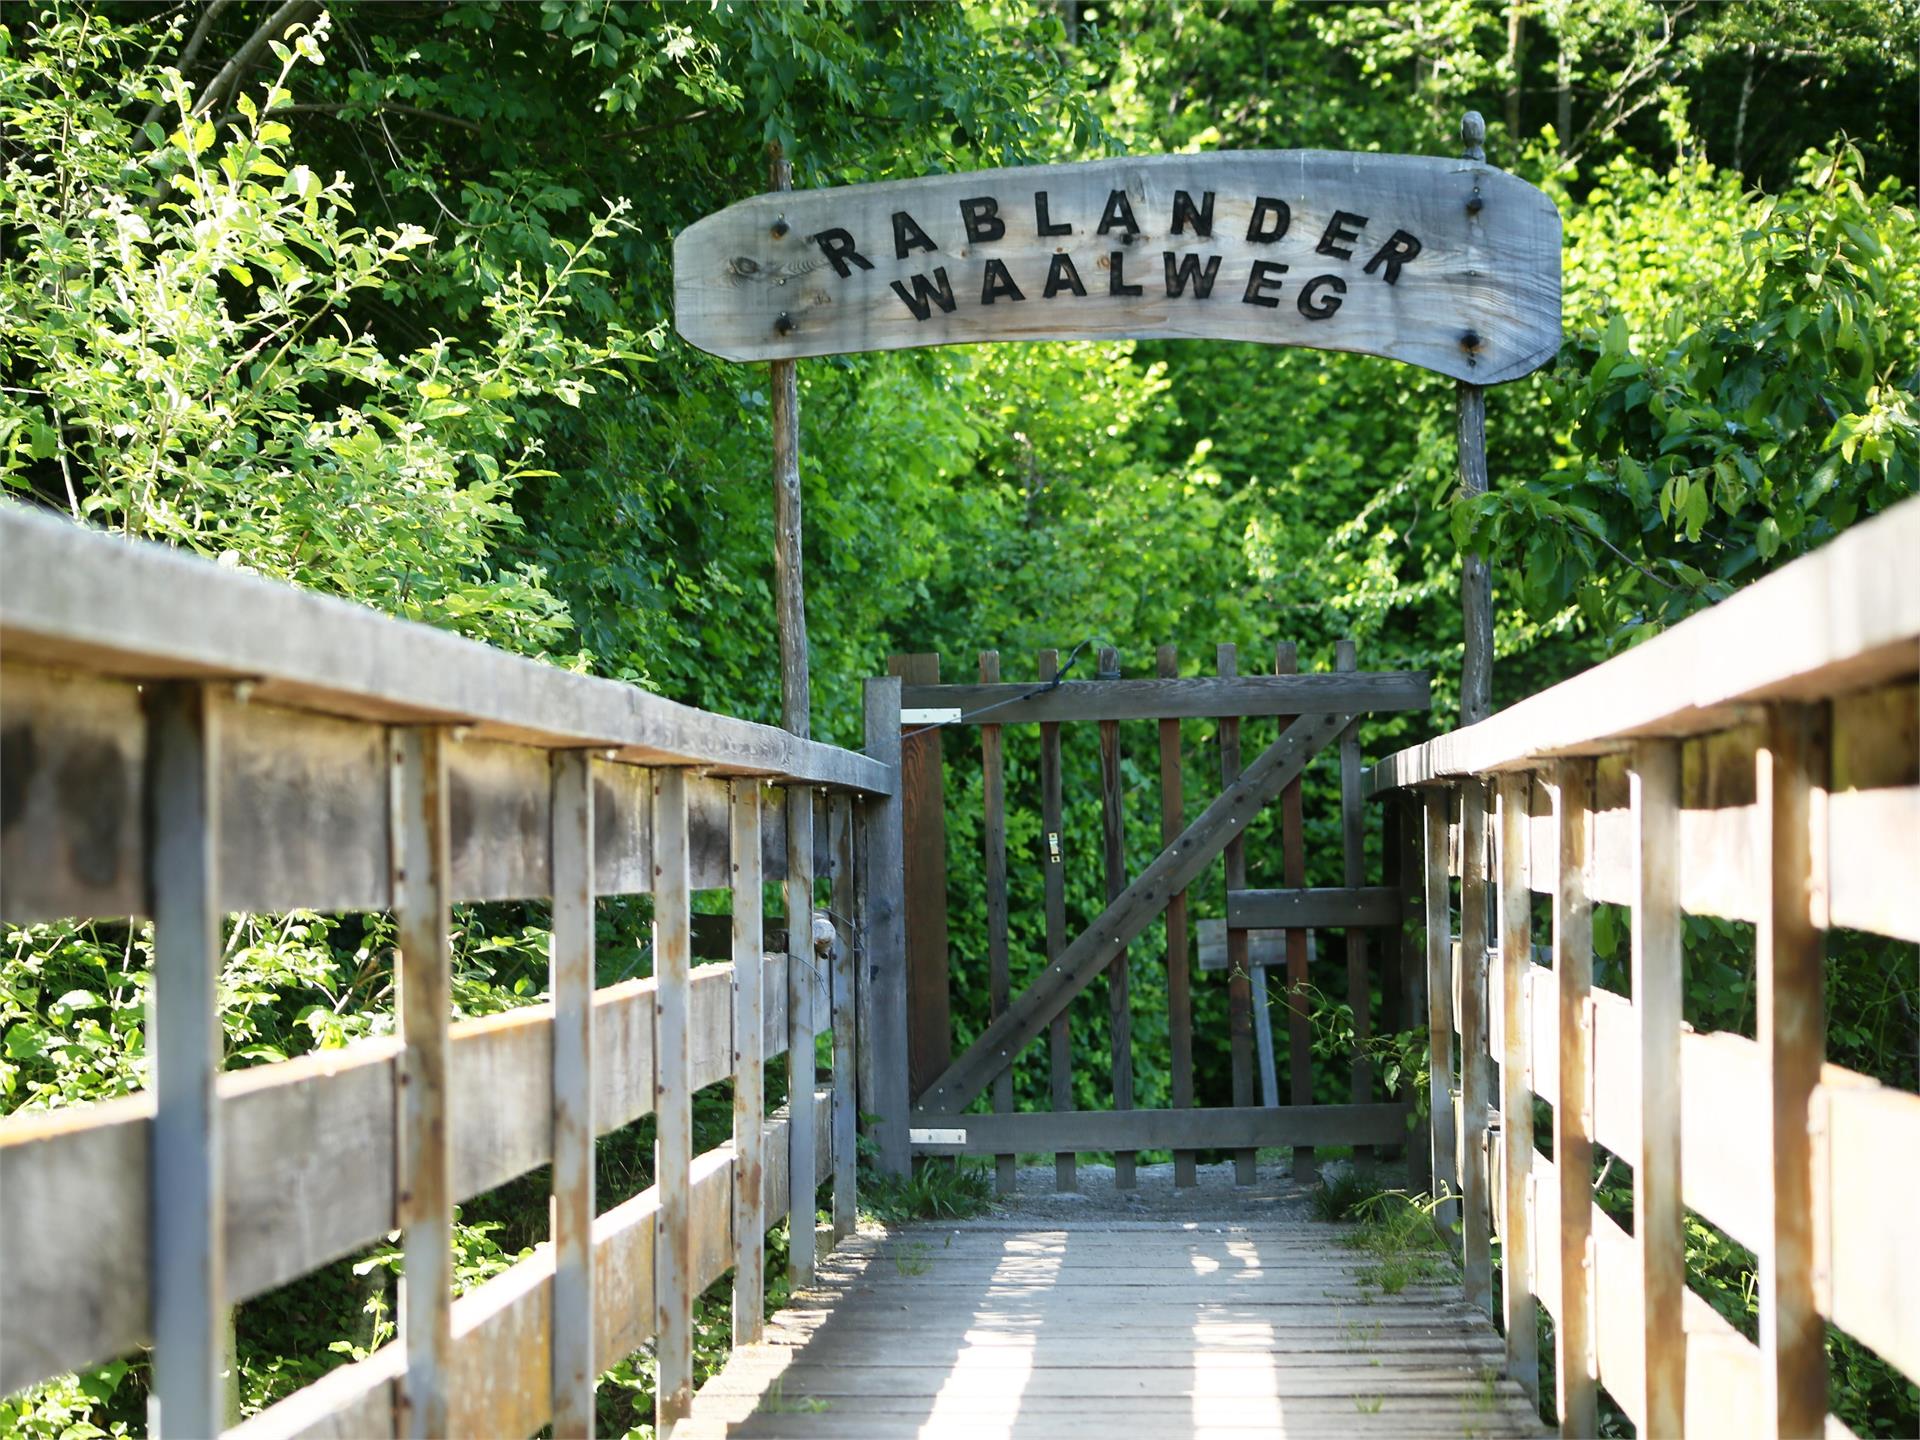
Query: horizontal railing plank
[[502, 1380], [1841, 619], [1324, 908], [304, 812], [95, 603], [308, 1154], [1191, 697], [1226, 1128]]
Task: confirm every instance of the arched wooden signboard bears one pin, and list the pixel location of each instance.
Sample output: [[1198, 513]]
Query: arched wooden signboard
[[1451, 265]]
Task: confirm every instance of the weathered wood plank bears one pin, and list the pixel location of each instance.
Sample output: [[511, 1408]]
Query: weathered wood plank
[[91, 602], [1517, 1239], [1476, 1222], [1049, 253], [1113, 854], [1790, 782], [1300, 953], [844, 908], [1319, 908], [1575, 1365], [1054, 888], [749, 1074], [924, 820], [1173, 820], [1841, 619], [675, 1282], [1353, 867], [188, 1197], [1237, 1127], [993, 839], [881, 1026], [1168, 697], [1659, 1219], [802, 988], [1439, 928], [1239, 970], [571, 980]]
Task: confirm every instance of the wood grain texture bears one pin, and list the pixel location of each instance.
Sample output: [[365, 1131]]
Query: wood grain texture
[[1475, 1068], [1518, 1309], [1239, 966], [94, 603], [1575, 1364], [1236, 1127], [1353, 870], [1173, 820], [803, 988], [881, 1027], [1479, 301], [1315, 908], [1300, 953], [676, 1286], [749, 1071], [993, 840], [188, 1204], [571, 982], [844, 909], [1839, 620], [1054, 896], [1439, 928], [924, 820], [1113, 854]]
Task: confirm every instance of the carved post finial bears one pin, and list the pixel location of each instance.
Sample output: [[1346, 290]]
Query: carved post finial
[[1473, 135]]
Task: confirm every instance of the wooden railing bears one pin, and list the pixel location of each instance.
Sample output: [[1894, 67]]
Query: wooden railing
[[1760, 762], [183, 742]]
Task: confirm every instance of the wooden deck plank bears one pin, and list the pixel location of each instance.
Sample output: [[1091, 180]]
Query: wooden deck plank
[[1001, 1327]]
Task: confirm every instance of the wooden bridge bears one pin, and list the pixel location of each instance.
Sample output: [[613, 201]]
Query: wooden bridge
[[182, 743]]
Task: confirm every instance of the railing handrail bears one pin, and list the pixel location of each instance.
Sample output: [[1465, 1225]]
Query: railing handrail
[[84, 600], [1845, 617]]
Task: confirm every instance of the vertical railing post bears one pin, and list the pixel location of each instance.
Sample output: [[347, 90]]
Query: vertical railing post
[[1575, 1370], [1293, 867], [1791, 784], [1179, 976], [1053, 882], [881, 1027], [749, 1078], [1476, 1226], [1518, 1307], [570, 978], [1659, 1219], [844, 1118], [1353, 857], [422, 885], [673, 1105], [993, 840], [802, 969], [1239, 964], [1439, 928], [188, 1211], [1113, 845], [1413, 964]]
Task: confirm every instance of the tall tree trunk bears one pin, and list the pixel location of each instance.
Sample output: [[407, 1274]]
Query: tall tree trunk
[[1740, 120], [1563, 97], [1516, 27]]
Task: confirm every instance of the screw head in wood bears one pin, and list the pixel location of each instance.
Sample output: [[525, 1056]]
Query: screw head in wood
[[784, 324]]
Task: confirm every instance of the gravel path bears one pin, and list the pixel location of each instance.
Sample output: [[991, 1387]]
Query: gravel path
[[1275, 1196]]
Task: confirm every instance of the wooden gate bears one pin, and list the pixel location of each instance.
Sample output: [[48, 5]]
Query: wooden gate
[[1257, 928]]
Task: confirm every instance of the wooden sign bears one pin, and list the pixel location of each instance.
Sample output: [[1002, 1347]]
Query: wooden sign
[[1446, 264]]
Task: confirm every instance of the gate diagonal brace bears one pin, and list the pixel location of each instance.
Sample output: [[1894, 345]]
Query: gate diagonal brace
[[1173, 870]]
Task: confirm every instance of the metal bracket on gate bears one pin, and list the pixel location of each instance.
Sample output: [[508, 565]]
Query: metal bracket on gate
[[931, 717], [918, 1136]]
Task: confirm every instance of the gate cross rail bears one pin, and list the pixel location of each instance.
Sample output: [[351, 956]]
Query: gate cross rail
[[1172, 871]]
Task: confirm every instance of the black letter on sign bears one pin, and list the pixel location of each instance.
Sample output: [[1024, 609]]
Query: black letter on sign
[[1119, 212], [837, 246], [982, 219], [1315, 308], [1400, 248], [1270, 220], [907, 235], [1344, 225], [1189, 269], [1116, 274], [1041, 220], [998, 282], [1184, 214], [1260, 280], [1062, 276], [927, 294]]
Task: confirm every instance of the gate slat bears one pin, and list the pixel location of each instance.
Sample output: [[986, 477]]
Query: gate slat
[[1179, 973], [1113, 837], [1239, 975], [993, 839], [1293, 870], [1060, 1029]]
